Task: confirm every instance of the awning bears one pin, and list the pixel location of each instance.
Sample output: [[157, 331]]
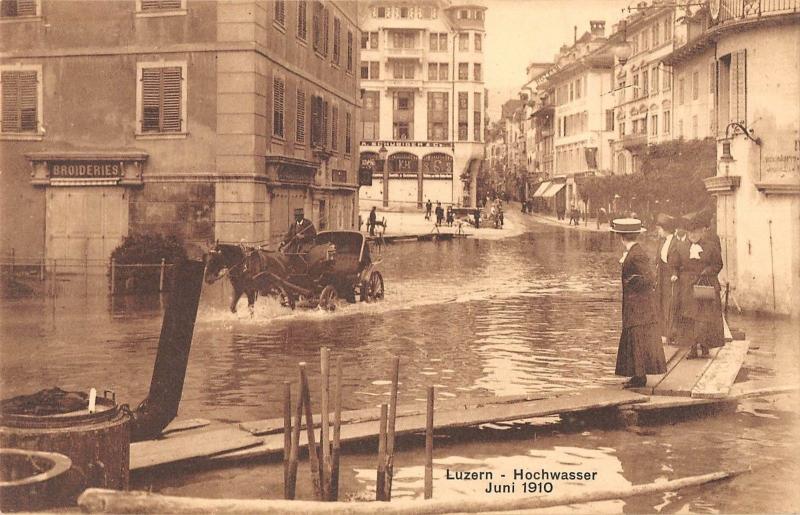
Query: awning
[[553, 189], [542, 188]]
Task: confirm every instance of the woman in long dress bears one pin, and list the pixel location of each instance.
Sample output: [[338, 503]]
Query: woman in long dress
[[699, 263], [640, 351]]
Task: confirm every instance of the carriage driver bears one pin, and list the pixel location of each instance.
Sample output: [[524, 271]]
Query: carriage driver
[[300, 235]]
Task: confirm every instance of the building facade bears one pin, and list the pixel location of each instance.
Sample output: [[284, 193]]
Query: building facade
[[643, 110], [209, 120], [751, 52], [421, 73], [582, 114]]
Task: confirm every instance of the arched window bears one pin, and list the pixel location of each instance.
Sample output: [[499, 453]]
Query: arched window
[[621, 164]]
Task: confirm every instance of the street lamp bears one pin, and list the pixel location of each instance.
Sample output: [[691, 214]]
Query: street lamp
[[382, 153], [623, 50]]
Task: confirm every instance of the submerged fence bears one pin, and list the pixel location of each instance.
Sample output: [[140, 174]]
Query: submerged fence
[[122, 278]]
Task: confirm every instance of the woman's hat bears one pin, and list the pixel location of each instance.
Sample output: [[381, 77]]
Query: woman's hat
[[627, 226]]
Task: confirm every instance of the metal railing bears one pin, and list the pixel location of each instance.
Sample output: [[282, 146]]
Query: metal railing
[[731, 10], [42, 269]]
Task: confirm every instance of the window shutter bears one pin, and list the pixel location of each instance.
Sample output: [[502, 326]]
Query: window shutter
[[151, 100], [277, 106], [348, 133], [334, 128], [280, 12], [741, 86], [301, 19], [20, 102], [316, 120], [160, 5], [171, 117], [325, 124], [300, 135], [325, 31], [349, 51], [11, 9]]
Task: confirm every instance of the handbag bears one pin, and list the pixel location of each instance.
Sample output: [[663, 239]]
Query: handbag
[[703, 290]]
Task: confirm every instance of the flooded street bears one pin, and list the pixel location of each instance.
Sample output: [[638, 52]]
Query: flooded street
[[475, 318]]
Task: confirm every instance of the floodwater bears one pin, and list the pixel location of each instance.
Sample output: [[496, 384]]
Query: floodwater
[[474, 318]]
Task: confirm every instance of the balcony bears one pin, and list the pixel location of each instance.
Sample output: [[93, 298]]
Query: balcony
[[722, 184], [403, 83], [405, 53], [634, 141], [730, 10]]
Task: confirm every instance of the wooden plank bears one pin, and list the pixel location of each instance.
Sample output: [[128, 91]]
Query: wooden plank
[[682, 378], [762, 388], [184, 425], [445, 419], [664, 402], [726, 330], [673, 355], [717, 380], [158, 452], [275, 425]]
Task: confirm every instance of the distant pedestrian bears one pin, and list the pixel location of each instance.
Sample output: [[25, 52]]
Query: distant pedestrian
[[640, 351], [477, 216], [500, 216], [560, 211], [574, 215], [450, 218], [373, 220], [428, 209], [602, 217], [439, 213]]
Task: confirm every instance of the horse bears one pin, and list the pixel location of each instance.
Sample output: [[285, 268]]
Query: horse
[[245, 269]]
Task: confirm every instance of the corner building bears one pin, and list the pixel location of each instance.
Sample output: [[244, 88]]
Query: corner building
[[424, 101], [209, 120]]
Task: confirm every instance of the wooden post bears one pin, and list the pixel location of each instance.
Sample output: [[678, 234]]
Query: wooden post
[[380, 486], [429, 447], [295, 448], [324, 443], [390, 429], [333, 493], [316, 478], [113, 275], [161, 277], [287, 435], [41, 269]]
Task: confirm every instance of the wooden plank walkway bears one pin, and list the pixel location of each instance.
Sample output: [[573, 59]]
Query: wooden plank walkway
[[200, 444], [465, 417], [682, 378], [718, 379]]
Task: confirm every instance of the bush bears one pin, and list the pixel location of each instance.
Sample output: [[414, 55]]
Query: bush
[[144, 249], [671, 181]]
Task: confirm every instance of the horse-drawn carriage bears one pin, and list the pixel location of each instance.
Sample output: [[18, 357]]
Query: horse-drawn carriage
[[336, 264]]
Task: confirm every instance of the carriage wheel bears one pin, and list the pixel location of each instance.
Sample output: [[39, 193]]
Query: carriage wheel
[[327, 299], [376, 285]]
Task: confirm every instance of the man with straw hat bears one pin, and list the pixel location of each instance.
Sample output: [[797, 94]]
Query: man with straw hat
[[640, 351]]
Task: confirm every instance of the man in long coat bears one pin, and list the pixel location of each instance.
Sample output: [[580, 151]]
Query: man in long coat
[[640, 351], [300, 235], [667, 276]]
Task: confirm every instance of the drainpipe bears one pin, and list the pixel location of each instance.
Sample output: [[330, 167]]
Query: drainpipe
[[160, 406]]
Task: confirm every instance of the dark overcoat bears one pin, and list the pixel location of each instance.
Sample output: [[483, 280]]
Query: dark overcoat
[[667, 292], [640, 351], [304, 231], [702, 318]]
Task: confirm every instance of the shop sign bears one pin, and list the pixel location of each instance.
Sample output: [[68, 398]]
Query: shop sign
[[437, 164], [403, 163], [407, 144], [86, 169]]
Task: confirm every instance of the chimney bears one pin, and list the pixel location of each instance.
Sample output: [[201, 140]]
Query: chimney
[[598, 28]]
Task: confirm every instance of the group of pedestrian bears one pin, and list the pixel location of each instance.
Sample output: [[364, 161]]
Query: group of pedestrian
[[678, 303], [439, 212], [574, 215]]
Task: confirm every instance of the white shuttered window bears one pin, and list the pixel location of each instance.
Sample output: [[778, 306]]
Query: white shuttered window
[[162, 99], [20, 102]]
